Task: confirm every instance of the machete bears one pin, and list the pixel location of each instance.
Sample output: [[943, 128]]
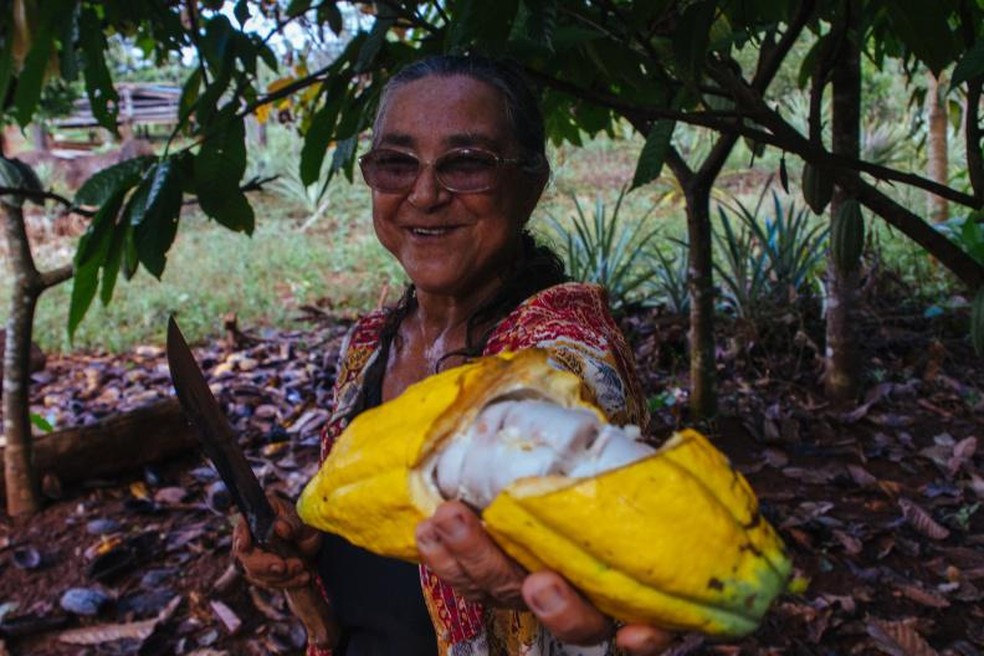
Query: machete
[[220, 445]]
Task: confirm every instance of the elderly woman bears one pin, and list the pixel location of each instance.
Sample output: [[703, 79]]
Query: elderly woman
[[457, 166]]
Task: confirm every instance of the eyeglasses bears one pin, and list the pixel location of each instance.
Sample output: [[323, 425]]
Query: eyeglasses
[[461, 170]]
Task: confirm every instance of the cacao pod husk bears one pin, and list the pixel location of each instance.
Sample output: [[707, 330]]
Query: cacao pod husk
[[847, 236], [818, 187], [674, 539]]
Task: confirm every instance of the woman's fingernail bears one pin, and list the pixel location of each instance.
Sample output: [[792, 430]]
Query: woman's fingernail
[[454, 526], [547, 600]]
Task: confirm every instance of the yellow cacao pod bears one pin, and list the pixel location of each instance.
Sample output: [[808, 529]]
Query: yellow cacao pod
[[673, 539], [818, 187], [847, 236]]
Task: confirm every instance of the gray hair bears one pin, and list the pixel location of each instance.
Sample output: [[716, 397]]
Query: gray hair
[[521, 107]]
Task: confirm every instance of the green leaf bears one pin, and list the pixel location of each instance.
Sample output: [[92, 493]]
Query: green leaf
[[216, 43], [483, 24], [329, 13], [41, 423], [98, 80], [153, 212], [692, 37], [68, 32], [15, 174], [6, 66], [373, 44], [653, 153], [219, 166], [241, 12], [101, 186], [189, 95], [113, 262], [924, 29], [970, 65], [318, 137], [27, 93], [298, 7], [90, 257]]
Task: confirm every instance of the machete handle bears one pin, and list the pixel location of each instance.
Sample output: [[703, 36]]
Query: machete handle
[[308, 602]]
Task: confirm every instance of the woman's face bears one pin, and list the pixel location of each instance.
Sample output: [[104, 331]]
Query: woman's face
[[452, 244]]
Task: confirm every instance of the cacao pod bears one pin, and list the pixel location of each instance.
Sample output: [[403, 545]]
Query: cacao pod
[[977, 322], [673, 538], [818, 187], [847, 236]]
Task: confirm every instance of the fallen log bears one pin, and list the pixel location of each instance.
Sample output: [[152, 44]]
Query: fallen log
[[115, 445]]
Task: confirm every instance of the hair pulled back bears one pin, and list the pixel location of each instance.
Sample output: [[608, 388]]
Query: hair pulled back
[[537, 268], [521, 108]]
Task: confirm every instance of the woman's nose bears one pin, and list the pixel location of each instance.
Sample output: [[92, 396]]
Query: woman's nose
[[426, 191]]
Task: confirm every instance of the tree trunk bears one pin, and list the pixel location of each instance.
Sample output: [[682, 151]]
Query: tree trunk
[[842, 366], [117, 444], [23, 495], [703, 395], [938, 169]]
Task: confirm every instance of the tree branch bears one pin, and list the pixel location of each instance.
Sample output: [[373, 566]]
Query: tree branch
[[48, 279], [41, 195]]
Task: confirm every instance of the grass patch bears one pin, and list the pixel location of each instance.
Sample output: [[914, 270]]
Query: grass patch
[[211, 271]]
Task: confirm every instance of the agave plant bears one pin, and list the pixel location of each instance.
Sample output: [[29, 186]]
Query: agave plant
[[603, 249]]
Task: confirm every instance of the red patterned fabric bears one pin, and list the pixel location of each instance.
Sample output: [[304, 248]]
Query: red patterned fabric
[[573, 323]]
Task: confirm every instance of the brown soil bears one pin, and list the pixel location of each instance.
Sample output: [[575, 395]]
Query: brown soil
[[879, 503]]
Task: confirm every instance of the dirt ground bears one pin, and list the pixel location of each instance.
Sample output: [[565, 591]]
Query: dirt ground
[[879, 503]]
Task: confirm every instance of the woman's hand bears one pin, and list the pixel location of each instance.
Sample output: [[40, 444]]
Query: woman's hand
[[267, 569], [453, 544]]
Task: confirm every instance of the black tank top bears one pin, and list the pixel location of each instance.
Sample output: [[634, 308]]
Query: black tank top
[[378, 602]]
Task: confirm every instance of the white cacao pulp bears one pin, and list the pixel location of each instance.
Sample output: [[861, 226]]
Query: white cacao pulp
[[515, 438]]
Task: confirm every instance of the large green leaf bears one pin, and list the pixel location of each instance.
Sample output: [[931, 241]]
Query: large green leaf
[[970, 65], [68, 34], [691, 39], [90, 257], [481, 23], [153, 212], [653, 153], [101, 186], [320, 133], [219, 166], [98, 80], [27, 94], [924, 29]]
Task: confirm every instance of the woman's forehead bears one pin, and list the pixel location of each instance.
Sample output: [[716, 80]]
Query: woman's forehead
[[453, 111]]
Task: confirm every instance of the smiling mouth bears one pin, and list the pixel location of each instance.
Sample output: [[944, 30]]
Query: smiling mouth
[[431, 232]]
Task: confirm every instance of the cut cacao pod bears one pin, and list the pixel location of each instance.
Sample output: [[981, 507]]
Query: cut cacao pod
[[847, 236], [671, 537]]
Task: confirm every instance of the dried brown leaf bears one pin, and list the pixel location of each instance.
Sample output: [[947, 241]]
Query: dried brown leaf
[[963, 451], [924, 597], [102, 633], [898, 638], [227, 616], [922, 521], [775, 458], [851, 544], [861, 476]]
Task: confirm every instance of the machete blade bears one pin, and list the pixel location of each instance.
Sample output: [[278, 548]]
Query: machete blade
[[216, 435]]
